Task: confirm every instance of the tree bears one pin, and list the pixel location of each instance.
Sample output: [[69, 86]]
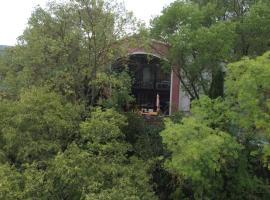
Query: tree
[[54, 141], [254, 29], [222, 149], [207, 35], [95, 167], [200, 46], [37, 126], [11, 179], [66, 46], [201, 154], [248, 96]]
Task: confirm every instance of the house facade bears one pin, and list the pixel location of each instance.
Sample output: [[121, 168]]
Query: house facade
[[155, 88]]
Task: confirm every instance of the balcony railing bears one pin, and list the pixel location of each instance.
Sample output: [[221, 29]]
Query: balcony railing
[[159, 85]]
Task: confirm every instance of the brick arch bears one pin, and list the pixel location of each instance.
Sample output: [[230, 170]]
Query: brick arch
[[155, 48], [160, 50]]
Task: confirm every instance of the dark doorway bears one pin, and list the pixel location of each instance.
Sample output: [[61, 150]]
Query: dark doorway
[[149, 80]]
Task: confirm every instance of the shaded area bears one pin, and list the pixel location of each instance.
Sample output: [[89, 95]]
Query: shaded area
[[151, 84]]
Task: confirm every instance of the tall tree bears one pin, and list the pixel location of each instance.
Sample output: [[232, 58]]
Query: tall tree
[[200, 46], [37, 126], [67, 45], [94, 166], [207, 35], [222, 149]]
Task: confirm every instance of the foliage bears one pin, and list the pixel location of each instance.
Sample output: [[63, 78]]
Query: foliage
[[114, 90], [63, 132], [223, 147], [67, 46], [120, 176], [37, 126], [94, 177], [10, 187], [207, 35], [248, 94], [199, 153], [144, 136], [248, 86], [95, 168]]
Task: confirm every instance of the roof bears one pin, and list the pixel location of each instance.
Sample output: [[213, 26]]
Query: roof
[[156, 48]]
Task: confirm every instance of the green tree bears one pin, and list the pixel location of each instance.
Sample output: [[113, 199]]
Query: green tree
[[201, 154], [97, 167], [248, 89], [37, 126], [201, 46], [222, 149], [66, 46], [11, 179], [254, 39], [207, 35]]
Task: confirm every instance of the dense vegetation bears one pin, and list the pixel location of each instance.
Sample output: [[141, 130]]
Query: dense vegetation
[[63, 130]]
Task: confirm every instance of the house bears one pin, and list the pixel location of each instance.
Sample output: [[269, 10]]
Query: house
[[155, 89]]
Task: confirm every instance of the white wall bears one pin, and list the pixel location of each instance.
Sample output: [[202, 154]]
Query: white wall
[[184, 100]]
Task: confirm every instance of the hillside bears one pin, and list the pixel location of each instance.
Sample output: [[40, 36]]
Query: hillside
[[2, 47]]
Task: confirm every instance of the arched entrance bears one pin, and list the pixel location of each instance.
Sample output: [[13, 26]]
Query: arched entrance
[[156, 89], [151, 83]]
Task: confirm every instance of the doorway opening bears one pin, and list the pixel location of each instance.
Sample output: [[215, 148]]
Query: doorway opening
[[151, 84]]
